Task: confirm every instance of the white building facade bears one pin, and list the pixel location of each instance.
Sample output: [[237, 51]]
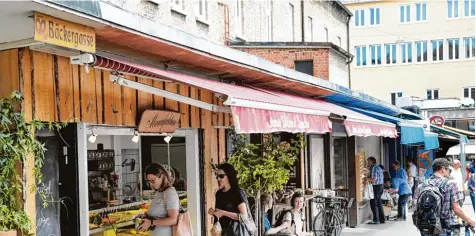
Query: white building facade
[[423, 49]]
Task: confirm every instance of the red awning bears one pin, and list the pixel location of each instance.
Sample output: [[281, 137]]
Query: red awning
[[258, 110]]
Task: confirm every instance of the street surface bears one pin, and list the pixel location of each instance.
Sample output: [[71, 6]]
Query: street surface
[[395, 228]]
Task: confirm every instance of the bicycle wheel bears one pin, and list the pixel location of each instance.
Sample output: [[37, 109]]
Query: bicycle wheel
[[318, 225], [336, 225]]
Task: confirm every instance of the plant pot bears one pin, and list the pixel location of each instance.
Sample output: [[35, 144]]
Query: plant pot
[[8, 233]]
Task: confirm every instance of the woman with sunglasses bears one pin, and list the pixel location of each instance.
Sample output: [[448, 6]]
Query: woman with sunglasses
[[164, 208], [230, 199]]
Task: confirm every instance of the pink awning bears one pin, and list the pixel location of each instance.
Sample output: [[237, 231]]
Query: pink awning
[[252, 120], [257, 110]]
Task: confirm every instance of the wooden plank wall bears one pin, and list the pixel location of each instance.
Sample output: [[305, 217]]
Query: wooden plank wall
[[57, 91]]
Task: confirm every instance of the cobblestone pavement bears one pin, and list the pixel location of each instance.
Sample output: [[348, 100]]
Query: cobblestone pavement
[[395, 228]]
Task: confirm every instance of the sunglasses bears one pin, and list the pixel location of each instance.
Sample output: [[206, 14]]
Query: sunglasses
[[221, 176]]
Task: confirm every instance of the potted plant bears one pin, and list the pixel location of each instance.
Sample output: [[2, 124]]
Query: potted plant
[[17, 142], [263, 169]]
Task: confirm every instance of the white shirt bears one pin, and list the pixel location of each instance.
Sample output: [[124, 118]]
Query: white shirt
[[298, 221], [413, 170], [458, 178]]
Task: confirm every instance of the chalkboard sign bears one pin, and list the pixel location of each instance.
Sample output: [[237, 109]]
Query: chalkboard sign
[[48, 218]]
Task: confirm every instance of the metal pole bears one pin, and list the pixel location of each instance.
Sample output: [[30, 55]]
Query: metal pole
[[168, 155], [462, 158]]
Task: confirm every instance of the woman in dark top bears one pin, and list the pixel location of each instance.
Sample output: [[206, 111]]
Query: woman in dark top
[[230, 199]]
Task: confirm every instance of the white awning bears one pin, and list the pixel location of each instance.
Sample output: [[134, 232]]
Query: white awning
[[456, 150]]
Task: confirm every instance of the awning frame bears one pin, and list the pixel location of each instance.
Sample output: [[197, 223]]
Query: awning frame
[[166, 94]]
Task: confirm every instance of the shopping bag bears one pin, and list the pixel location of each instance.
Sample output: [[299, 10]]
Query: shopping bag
[[216, 229], [369, 192]]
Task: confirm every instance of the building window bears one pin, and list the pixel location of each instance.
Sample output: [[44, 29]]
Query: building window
[[269, 22], [309, 20], [239, 17], [305, 67], [374, 16], [327, 33], [340, 41], [407, 52], [359, 17], [178, 5], [376, 54], [393, 97], [437, 50], [203, 9], [421, 12], [291, 8], [468, 92], [432, 94], [453, 9], [453, 49], [422, 51], [469, 47], [469, 8], [390, 54], [404, 13], [361, 55]]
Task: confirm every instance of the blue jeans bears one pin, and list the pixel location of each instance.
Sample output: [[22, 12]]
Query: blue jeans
[[402, 206], [471, 195]]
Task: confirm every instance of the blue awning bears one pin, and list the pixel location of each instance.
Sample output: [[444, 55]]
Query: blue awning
[[461, 137], [431, 141], [348, 97], [411, 133]]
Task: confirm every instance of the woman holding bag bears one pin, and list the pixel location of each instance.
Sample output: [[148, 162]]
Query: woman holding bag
[[230, 200], [164, 209]]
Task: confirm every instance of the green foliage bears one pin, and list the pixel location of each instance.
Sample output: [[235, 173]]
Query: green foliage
[[266, 172], [17, 142]]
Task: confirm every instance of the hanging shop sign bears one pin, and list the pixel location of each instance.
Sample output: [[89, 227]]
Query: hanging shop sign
[[153, 121], [58, 32], [437, 120]]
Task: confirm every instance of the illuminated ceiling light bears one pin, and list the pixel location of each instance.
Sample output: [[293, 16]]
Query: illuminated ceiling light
[[135, 139]]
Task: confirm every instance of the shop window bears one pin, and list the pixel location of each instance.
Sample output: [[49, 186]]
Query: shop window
[[305, 67], [340, 162]]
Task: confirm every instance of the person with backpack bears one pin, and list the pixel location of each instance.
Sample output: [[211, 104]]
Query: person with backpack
[[437, 202], [290, 221], [376, 178]]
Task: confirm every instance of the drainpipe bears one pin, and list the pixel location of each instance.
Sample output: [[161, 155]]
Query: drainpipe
[[302, 21], [348, 50]]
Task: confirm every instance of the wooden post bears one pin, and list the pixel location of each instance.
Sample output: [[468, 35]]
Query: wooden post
[[30, 193]]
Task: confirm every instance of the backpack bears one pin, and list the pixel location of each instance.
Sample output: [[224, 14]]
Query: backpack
[[427, 216], [280, 217]]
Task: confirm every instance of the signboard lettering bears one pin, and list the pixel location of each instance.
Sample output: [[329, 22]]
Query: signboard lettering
[[63, 33], [159, 121]]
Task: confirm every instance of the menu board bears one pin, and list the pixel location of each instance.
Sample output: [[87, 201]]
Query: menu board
[[359, 171]]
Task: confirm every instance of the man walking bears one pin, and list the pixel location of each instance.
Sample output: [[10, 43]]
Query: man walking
[[457, 177], [449, 204], [413, 170], [377, 181]]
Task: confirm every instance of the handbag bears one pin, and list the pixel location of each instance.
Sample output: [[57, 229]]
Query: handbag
[[245, 225], [184, 225]]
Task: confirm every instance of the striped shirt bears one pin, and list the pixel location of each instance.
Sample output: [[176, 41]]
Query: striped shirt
[[450, 195], [377, 174]]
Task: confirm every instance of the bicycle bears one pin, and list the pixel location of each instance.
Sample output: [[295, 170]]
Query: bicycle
[[330, 220], [455, 229]]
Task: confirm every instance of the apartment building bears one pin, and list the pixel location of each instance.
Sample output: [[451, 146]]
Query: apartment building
[[422, 49], [234, 22]]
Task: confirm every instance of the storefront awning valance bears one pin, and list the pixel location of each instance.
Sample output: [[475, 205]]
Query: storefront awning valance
[[431, 140], [462, 138], [257, 110]]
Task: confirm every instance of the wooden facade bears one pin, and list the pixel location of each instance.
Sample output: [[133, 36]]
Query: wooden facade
[[56, 91]]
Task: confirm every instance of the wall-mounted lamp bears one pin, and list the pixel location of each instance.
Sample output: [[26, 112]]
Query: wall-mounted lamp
[[92, 138], [168, 138], [135, 139]]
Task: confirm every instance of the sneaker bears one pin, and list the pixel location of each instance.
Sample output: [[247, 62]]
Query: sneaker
[[373, 223]]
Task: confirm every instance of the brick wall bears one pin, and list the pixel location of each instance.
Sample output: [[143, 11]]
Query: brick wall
[[287, 56]]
